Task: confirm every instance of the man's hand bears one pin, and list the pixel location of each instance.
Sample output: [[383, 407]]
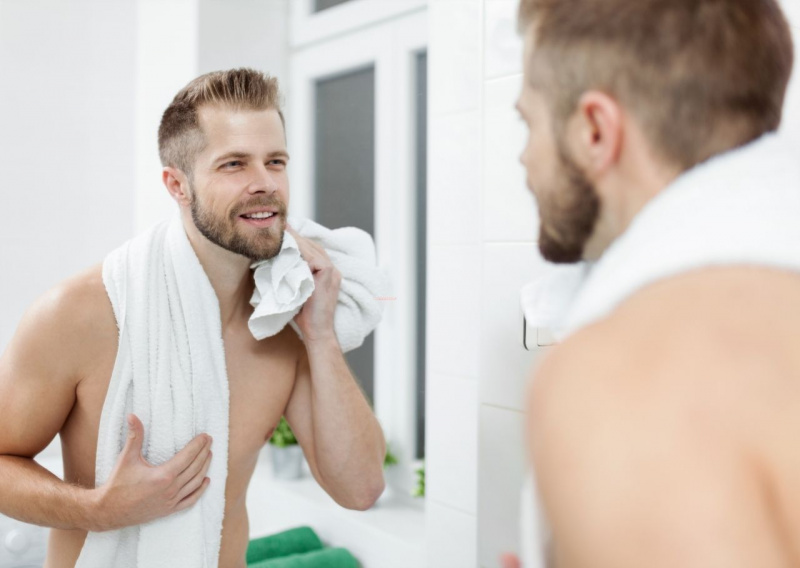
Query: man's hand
[[315, 318], [138, 492], [510, 561]]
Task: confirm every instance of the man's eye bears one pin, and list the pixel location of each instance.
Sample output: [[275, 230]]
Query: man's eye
[[278, 162], [232, 164]]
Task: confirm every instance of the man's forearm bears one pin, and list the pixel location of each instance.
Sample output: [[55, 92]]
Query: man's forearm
[[32, 494], [349, 443]]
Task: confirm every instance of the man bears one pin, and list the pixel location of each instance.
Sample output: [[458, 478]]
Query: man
[[664, 427], [223, 149]]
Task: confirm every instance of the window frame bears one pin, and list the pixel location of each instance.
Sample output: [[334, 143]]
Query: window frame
[[391, 47]]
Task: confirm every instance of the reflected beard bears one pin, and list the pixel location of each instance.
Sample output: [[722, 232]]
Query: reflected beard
[[263, 245], [568, 220]]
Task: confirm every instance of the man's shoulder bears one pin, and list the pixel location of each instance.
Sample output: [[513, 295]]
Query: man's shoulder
[[73, 317]]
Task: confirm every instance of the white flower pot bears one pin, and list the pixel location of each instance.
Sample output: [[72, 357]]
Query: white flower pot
[[287, 462]]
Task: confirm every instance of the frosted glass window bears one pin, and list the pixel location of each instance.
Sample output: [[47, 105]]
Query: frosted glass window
[[344, 184], [320, 5]]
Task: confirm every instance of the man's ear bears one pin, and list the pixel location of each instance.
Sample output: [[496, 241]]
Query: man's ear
[[177, 185], [597, 130]]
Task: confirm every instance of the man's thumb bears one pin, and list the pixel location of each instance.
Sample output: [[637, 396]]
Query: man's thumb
[[135, 433]]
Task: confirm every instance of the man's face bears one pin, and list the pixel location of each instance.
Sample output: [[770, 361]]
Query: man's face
[[567, 201], [240, 187]]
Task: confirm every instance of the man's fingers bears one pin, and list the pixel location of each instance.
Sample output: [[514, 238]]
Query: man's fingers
[[195, 467], [195, 482], [190, 452], [191, 499]]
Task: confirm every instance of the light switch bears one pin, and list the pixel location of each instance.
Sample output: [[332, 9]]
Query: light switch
[[544, 337], [533, 337]]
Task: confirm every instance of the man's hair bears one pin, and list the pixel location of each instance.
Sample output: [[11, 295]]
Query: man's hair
[[700, 76], [180, 137]]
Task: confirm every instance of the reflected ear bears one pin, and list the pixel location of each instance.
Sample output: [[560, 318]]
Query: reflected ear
[[177, 185], [599, 133]]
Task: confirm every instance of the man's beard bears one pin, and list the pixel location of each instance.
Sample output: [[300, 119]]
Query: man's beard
[[263, 245], [568, 217]]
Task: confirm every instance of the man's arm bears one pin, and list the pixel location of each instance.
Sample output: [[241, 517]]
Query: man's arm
[[340, 436], [334, 424], [63, 337], [38, 381], [638, 462]]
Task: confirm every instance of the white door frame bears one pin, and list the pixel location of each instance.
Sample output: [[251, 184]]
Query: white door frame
[[390, 46]]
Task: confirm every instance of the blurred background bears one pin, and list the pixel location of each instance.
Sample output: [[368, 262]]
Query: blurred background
[[400, 121]]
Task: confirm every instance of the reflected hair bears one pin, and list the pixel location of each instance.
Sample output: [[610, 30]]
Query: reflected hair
[[700, 76], [180, 137]]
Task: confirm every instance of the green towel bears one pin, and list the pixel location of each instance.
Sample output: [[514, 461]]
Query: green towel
[[293, 541], [328, 558]]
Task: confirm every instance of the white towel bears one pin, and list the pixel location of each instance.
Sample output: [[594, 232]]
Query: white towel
[[170, 369], [284, 283], [170, 372], [739, 208]]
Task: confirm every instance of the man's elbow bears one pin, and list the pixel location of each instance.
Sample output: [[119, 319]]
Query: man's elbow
[[366, 495]]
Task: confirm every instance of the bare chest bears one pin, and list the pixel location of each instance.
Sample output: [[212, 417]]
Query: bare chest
[[260, 377]]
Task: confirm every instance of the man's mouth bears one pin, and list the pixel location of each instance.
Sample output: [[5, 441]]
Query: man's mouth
[[262, 215], [260, 218]]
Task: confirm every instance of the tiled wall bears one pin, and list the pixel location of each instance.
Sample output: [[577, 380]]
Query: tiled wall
[[481, 227]]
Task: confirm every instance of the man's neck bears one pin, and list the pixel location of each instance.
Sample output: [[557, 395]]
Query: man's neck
[[229, 273]]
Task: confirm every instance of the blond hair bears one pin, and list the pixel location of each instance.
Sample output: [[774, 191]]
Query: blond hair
[[180, 137]]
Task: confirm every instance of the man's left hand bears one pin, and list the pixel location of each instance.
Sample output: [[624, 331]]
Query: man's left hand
[[315, 318]]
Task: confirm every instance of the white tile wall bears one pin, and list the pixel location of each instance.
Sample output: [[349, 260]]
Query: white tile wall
[[452, 443], [453, 310], [509, 209], [503, 47], [451, 537], [501, 470], [455, 54], [454, 177], [504, 361]]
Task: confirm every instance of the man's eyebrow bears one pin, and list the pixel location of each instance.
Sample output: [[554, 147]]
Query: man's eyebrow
[[242, 154]]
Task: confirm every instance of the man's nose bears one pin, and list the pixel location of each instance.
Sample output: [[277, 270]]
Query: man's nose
[[263, 181]]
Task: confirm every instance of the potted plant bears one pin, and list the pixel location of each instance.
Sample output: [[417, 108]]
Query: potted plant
[[287, 455], [419, 491]]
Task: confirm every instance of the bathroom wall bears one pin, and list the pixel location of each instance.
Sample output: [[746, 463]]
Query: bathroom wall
[[84, 86], [67, 105], [482, 227]]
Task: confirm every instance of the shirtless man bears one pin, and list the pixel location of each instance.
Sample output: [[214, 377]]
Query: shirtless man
[[667, 432], [54, 374]]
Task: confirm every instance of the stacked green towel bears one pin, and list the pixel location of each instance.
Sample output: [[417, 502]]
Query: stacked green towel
[[296, 548], [293, 541], [327, 558]]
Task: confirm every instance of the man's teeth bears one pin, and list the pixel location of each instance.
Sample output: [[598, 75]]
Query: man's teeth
[[264, 215]]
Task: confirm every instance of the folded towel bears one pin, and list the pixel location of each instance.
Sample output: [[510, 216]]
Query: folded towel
[[284, 283], [293, 541], [170, 372], [738, 208], [328, 558]]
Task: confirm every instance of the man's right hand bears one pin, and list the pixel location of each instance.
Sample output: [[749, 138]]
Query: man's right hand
[[138, 492]]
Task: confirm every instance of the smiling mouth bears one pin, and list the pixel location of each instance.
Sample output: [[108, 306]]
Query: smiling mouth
[[264, 215]]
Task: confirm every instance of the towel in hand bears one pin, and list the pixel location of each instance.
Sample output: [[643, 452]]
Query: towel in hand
[[284, 283], [170, 371]]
